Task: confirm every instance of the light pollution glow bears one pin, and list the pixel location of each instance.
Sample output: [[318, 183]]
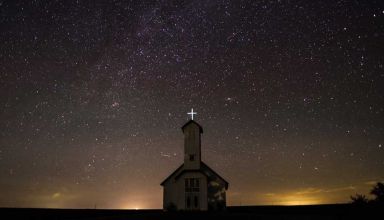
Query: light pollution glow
[[304, 196]]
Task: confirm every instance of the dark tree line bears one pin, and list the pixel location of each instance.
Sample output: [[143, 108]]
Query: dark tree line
[[377, 192]]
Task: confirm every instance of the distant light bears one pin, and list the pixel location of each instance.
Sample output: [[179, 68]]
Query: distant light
[[132, 206]]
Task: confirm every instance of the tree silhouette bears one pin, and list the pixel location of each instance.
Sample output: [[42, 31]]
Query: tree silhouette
[[378, 192], [359, 199]]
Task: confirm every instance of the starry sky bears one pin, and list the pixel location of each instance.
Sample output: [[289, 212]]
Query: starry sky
[[94, 93]]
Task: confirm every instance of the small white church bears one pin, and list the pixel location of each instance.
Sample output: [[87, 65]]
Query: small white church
[[194, 185]]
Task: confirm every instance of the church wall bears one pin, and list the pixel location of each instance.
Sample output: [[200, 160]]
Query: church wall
[[180, 193], [170, 195]]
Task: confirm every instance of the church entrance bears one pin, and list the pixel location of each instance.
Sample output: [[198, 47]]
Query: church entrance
[[192, 202], [192, 194]]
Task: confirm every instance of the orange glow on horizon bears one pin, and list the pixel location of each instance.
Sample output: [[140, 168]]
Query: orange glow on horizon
[[132, 206], [295, 198], [298, 199]]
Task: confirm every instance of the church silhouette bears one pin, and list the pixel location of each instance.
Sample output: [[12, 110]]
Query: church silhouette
[[194, 185]]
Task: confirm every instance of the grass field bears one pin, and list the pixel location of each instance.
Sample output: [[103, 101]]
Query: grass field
[[342, 211]]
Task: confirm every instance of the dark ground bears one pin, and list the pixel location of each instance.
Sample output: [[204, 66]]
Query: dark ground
[[343, 211]]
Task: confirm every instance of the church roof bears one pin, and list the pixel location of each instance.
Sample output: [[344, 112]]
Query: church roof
[[172, 174], [214, 173], [204, 169], [194, 122]]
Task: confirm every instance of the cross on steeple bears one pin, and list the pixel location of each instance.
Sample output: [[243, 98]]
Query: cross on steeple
[[192, 113]]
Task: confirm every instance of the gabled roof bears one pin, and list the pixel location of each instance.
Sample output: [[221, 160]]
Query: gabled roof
[[172, 174], [216, 174], [203, 169], [192, 121]]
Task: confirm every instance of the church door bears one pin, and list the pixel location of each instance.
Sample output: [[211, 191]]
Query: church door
[[192, 194]]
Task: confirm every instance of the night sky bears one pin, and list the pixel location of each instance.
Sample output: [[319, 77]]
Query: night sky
[[94, 93]]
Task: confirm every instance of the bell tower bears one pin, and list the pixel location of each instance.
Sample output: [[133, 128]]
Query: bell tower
[[192, 144]]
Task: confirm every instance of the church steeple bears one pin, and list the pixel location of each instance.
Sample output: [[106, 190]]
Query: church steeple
[[192, 144]]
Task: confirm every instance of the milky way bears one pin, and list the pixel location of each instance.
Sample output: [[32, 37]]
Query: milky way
[[93, 95]]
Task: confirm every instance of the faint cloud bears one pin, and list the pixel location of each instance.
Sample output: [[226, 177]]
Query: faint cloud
[[305, 196], [56, 195], [372, 182], [322, 190], [270, 194], [347, 188], [308, 191], [314, 190]]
